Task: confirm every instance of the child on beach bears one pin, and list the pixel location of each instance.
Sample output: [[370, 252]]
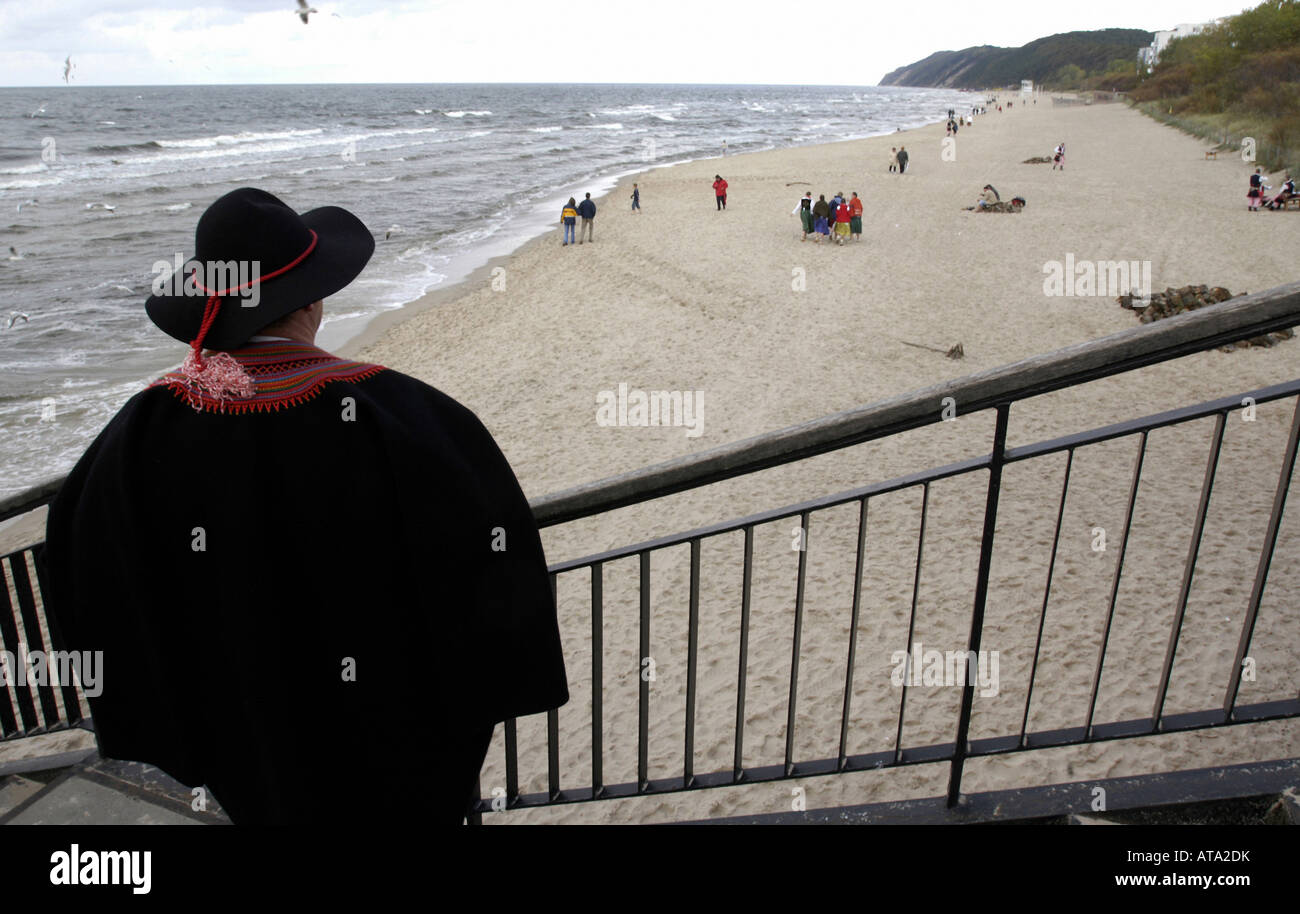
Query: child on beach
[[1058, 157], [893, 159], [636, 199], [1256, 193], [804, 209], [569, 219]]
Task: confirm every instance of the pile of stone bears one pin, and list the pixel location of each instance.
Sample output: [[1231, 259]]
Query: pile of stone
[[1189, 298]]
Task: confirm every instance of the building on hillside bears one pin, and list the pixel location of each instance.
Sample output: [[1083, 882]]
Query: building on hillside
[[1148, 55], [1026, 88]]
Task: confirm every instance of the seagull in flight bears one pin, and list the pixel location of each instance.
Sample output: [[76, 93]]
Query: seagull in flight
[[392, 230], [27, 203], [15, 317], [13, 253], [68, 66], [40, 110], [304, 11]]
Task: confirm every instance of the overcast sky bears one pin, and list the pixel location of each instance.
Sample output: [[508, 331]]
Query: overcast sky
[[176, 42]]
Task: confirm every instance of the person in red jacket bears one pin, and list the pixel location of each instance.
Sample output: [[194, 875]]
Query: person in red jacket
[[842, 216], [855, 217], [720, 191]]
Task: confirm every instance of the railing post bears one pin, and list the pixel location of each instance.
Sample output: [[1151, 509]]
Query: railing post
[[981, 595]]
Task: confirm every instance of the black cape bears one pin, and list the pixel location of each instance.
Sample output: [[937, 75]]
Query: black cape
[[325, 541]]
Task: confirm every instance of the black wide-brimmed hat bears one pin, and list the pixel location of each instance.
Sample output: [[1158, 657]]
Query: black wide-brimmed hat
[[293, 260]]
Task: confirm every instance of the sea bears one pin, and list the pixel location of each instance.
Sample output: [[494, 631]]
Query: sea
[[98, 185]]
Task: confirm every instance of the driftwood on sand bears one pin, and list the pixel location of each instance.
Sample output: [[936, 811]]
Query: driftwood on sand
[[953, 352], [1037, 160]]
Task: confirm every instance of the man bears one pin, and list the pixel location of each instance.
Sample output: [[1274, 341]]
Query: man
[[902, 159], [316, 582], [720, 192], [587, 210], [804, 209]]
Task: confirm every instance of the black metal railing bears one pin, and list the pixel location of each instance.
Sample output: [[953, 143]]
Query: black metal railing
[[997, 390]]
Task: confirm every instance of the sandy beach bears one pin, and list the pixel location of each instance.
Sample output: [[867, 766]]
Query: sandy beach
[[684, 298]]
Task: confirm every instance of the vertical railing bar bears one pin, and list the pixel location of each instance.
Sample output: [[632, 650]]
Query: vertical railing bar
[[792, 697], [512, 762], [911, 622], [738, 770], [553, 733], [72, 698], [643, 698], [1189, 570], [1114, 584], [692, 660], [475, 817], [981, 598], [853, 635], [1265, 561], [1047, 591], [553, 753], [597, 678], [11, 711]]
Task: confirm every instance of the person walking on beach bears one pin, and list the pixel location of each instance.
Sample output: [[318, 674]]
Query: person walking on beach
[[1256, 193], [804, 209], [587, 210], [902, 159], [720, 191], [288, 557], [821, 216], [842, 216], [855, 217], [1058, 157], [569, 219], [636, 199], [893, 159]]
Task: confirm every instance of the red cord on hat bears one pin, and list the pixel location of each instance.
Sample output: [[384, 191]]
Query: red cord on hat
[[222, 375]]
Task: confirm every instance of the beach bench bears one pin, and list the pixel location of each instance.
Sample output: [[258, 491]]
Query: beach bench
[[1291, 203], [1212, 154]]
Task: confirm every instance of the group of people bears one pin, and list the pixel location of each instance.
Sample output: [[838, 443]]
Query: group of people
[[842, 215], [1257, 196], [898, 159], [957, 121], [586, 210]]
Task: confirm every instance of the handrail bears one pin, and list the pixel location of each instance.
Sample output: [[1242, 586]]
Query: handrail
[[1148, 344]]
